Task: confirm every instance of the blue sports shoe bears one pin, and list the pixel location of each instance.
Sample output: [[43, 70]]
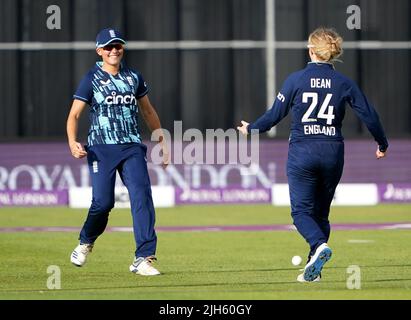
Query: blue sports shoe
[[300, 278], [313, 268]]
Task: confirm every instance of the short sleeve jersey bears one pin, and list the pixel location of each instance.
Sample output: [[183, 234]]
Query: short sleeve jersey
[[113, 102]]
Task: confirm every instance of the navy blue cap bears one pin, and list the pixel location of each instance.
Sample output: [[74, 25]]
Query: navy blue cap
[[107, 36]]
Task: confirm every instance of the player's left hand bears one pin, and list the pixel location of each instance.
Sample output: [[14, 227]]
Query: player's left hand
[[380, 154], [243, 128]]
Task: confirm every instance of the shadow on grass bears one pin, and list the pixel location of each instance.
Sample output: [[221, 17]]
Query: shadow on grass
[[286, 269], [208, 285], [171, 273]]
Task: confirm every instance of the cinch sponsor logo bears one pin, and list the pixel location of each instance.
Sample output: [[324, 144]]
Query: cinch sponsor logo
[[120, 99]]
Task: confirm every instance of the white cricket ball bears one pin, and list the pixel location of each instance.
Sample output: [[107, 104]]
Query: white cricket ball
[[296, 260]]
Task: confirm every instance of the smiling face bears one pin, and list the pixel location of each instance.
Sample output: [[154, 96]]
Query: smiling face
[[111, 53]]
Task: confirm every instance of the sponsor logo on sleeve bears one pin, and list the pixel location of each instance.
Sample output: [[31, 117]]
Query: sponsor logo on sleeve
[[280, 97]]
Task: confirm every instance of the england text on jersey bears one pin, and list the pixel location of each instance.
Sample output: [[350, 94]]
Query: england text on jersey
[[318, 129]]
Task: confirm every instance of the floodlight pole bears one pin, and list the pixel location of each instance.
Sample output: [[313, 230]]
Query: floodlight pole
[[270, 57]]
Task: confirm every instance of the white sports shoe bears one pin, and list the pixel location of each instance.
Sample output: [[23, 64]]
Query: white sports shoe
[[313, 268], [79, 255], [143, 266]]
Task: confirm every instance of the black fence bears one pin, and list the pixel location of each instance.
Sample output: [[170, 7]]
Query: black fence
[[211, 83]]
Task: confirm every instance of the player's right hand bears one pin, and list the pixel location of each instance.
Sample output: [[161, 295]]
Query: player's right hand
[[166, 156], [243, 128], [77, 150]]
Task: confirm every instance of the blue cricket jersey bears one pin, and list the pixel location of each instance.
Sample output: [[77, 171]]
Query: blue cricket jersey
[[113, 101], [317, 96]]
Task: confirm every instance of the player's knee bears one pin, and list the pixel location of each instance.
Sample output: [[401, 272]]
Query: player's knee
[[301, 215], [102, 205], [141, 192]]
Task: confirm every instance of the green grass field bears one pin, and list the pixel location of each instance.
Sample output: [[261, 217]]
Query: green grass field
[[205, 265]]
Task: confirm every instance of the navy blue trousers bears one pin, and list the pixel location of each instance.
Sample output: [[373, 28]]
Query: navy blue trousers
[[314, 170], [130, 161]]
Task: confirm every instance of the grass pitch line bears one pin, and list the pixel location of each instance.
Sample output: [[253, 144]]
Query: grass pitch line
[[360, 241]]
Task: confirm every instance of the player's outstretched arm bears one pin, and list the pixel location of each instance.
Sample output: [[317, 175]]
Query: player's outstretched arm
[[76, 148]]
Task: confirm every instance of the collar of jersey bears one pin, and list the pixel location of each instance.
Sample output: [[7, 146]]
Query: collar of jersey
[[318, 63], [99, 65]]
